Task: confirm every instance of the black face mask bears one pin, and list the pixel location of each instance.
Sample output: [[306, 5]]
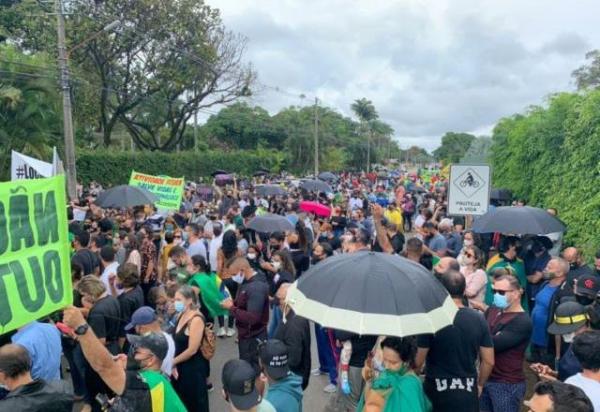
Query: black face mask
[[584, 300], [196, 210], [573, 266], [438, 275]]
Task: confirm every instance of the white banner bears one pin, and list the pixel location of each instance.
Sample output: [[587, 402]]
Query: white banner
[[469, 189], [25, 167]]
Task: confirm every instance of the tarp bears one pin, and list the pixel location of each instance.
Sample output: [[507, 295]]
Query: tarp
[[35, 271], [169, 190]]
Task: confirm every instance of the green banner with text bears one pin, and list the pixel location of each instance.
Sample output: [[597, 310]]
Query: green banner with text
[[35, 270], [169, 190]]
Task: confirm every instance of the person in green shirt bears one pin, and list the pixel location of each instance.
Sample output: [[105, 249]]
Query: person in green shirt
[[506, 259], [208, 286], [396, 387]]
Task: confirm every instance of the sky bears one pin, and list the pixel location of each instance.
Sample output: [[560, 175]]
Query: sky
[[428, 66]]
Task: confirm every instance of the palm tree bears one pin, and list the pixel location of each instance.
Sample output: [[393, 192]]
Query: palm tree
[[365, 111]]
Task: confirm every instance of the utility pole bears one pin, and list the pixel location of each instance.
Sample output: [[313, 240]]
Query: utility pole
[[67, 109], [369, 151], [316, 137], [195, 124]]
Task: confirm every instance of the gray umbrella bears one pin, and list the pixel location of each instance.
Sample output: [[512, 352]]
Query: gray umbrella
[[125, 196], [518, 220], [270, 190], [270, 223], [315, 186], [372, 293], [327, 176]]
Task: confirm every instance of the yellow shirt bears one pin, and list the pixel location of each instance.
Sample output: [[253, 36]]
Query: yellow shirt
[[395, 216]]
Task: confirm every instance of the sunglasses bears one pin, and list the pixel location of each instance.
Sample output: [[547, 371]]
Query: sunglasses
[[501, 292], [177, 237], [469, 255]]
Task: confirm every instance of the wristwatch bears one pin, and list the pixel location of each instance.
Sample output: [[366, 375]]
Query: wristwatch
[[82, 329]]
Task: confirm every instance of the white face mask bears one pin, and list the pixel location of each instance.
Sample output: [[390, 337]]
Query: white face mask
[[251, 256], [467, 243], [277, 265], [568, 337], [239, 278]]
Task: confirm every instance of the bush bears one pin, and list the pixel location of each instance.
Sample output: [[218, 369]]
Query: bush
[[114, 168]]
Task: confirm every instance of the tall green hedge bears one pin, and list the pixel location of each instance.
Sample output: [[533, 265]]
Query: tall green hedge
[[550, 156], [112, 168]]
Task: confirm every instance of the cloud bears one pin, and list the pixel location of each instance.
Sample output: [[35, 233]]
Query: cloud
[[429, 67]]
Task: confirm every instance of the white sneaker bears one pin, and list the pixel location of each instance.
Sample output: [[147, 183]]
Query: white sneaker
[[221, 332], [230, 332], [331, 388], [316, 372]]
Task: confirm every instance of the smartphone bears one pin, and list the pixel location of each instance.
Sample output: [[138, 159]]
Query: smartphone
[[66, 330]]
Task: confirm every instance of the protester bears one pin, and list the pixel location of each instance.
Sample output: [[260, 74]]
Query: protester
[[126, 284], [577, 265], [135, 379], [149, 254], [107, 258], [284, 272], [586, 348], [239, 388], [144, 321], [83, 256], [284, 387], [250, 309], [475, 276], [558, 397], [396, 387], [25, 392], [43, 343], [207, 286], [507, 258], [434, 242], [451, 377], [510, 327], [294, 332], [190, 368], [229, 250]]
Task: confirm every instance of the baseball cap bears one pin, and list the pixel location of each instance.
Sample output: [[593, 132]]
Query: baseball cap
[[588, 285], [238, 378], [274, 358], [142, 316], [568, 318], [155, 342]]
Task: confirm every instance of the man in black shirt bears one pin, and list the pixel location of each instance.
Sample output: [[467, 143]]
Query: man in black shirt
[[25, 393], [83, 256], [104, 318], [450, 374]]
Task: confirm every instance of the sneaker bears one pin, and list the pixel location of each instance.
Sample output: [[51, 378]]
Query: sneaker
[[221, 332], [331, 388], [317, 372], [230, 332]]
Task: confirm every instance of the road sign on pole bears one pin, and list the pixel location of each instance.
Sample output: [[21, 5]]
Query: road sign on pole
[[469, 189]]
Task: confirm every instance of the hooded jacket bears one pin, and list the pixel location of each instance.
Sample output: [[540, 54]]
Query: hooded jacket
[[286, 394]]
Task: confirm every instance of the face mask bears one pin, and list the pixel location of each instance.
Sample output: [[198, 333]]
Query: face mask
[[501, 302], [568, 338], [132, 363], [461, 260], [239, 278], [572, 266], [277, 265], [549, 275], [179, 306], [378, 365], [169, 228], [584, 300], [468, 243], [196, 210], [119, 285], [251, 256], [184, 236]]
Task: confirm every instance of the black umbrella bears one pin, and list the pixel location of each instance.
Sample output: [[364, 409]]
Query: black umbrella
[[500, 194], [518, 220], [260, 173], [373, 293], [315, 186], [218, 172], [270, 190], [327, 176], [125, 196], [270, 223]]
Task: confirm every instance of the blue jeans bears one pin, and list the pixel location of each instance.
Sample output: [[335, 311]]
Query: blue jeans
[[276, 317], [502, 397], [326, 358]]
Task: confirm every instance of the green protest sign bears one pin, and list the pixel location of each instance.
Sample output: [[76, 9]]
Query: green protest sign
[[169, 190], [35, 271]]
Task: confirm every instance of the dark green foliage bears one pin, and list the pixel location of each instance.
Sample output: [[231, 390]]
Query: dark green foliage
[[454, 146], [550, 156]]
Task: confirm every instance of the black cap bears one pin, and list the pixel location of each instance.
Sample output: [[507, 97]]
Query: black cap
[[155, 342], [588, 285], [238, 378], [568, 318], [274, 358]]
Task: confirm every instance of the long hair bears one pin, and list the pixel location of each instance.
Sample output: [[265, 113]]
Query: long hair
[[229, 244], [287, 264]]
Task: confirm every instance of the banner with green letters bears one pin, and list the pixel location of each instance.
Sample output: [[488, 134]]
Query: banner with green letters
[[169, 190], [35, 269]]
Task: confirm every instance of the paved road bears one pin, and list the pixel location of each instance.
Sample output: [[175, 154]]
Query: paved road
[[314, 397]]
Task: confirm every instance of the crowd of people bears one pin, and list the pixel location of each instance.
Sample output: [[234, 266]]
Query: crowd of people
[[155, 292]]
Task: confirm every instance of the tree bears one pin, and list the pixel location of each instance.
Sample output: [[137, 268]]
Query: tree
[[454, 146], [588, 75], [365, 111], [478, 151]]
